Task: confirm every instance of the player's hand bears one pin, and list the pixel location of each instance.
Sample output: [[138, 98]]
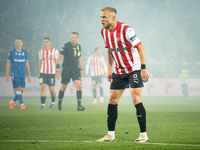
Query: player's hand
[[81, 72], [57, 76], [58, 70], [7, 78], [144, 75], [38, 75], [87, 75], [109, 76], [29, 78]]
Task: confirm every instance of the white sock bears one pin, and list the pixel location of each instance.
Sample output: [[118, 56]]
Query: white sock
[[52, 102], [111, 133], [43, 104], [143, 133]]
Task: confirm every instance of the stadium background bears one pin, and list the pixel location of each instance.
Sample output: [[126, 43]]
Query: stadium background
[[168, 29]]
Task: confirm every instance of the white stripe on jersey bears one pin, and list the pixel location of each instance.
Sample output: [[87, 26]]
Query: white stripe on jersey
[[121, 43], [96, 64], [48, 58], [118, 53]]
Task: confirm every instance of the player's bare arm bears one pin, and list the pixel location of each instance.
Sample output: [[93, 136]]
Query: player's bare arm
[[57, 73], [40, 65], [80, 65], [58, 63], [7, 70], [110, 62], [144, 73], [28, 71]]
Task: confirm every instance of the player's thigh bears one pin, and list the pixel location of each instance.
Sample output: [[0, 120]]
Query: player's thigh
[[100, 80], [19, 88], [100, 84], [78, 85], [136, 95], [50, 79], [18, 82], [63, 87], [118, 82], [65, 79], [42, 79], [135, 79], [75, 74], [43, 87], [94, 82], [115, 96], [51, 88], [22, 89]]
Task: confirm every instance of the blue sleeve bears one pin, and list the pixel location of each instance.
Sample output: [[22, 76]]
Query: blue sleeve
[[26, 56], [9, 57]]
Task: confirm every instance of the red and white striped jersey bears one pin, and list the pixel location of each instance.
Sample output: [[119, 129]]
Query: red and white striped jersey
[[96, 63], [48, 58], [122, 43]]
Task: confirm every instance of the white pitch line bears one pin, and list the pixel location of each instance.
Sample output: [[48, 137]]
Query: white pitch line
[[174, 144], [57, 141]]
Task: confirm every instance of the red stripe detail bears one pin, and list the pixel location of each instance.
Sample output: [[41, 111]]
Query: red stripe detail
[[47, 62], [100, 65], [43, 61], [97, 65], [128, 47], [137, 44], [94, 61], [114, 47], [119, 43], [117, 71]]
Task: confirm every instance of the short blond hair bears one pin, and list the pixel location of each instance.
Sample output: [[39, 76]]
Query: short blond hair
[[110, 9]]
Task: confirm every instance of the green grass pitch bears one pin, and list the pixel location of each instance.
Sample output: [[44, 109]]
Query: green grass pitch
[[172, 123]]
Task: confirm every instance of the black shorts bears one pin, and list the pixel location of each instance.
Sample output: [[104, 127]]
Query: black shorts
[[70, 73], [122, 81], [48, 79], [96, 80]]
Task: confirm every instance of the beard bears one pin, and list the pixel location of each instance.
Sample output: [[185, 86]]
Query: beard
[[107, 26]]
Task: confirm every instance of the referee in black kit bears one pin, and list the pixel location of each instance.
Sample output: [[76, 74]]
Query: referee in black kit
[[72, 68]]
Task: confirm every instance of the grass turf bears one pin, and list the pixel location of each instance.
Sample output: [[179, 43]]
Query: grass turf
[[172, 123]]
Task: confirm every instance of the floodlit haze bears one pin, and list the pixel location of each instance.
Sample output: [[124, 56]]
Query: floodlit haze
[[168, 29]]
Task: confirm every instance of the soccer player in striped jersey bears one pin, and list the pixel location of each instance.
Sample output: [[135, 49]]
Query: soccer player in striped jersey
[[126, 50], [47, 71], [18, 60], [96, 64]]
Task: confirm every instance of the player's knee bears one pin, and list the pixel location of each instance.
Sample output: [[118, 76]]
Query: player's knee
[[43, 89], [79, 88], [63, 87], [113, 100], [136, 99], [52, 90]]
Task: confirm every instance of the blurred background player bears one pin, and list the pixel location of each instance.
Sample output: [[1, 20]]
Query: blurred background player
[[96, 64], [18, 60], [46, 73], [125, 48], [72, 69]]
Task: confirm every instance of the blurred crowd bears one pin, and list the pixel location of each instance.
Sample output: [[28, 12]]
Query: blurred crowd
[[164, 60]]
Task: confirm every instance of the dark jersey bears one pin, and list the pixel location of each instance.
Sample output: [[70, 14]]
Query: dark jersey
[[71, 55]]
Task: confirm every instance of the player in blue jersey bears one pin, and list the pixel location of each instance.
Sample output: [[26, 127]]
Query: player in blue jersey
[[18, 60]]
